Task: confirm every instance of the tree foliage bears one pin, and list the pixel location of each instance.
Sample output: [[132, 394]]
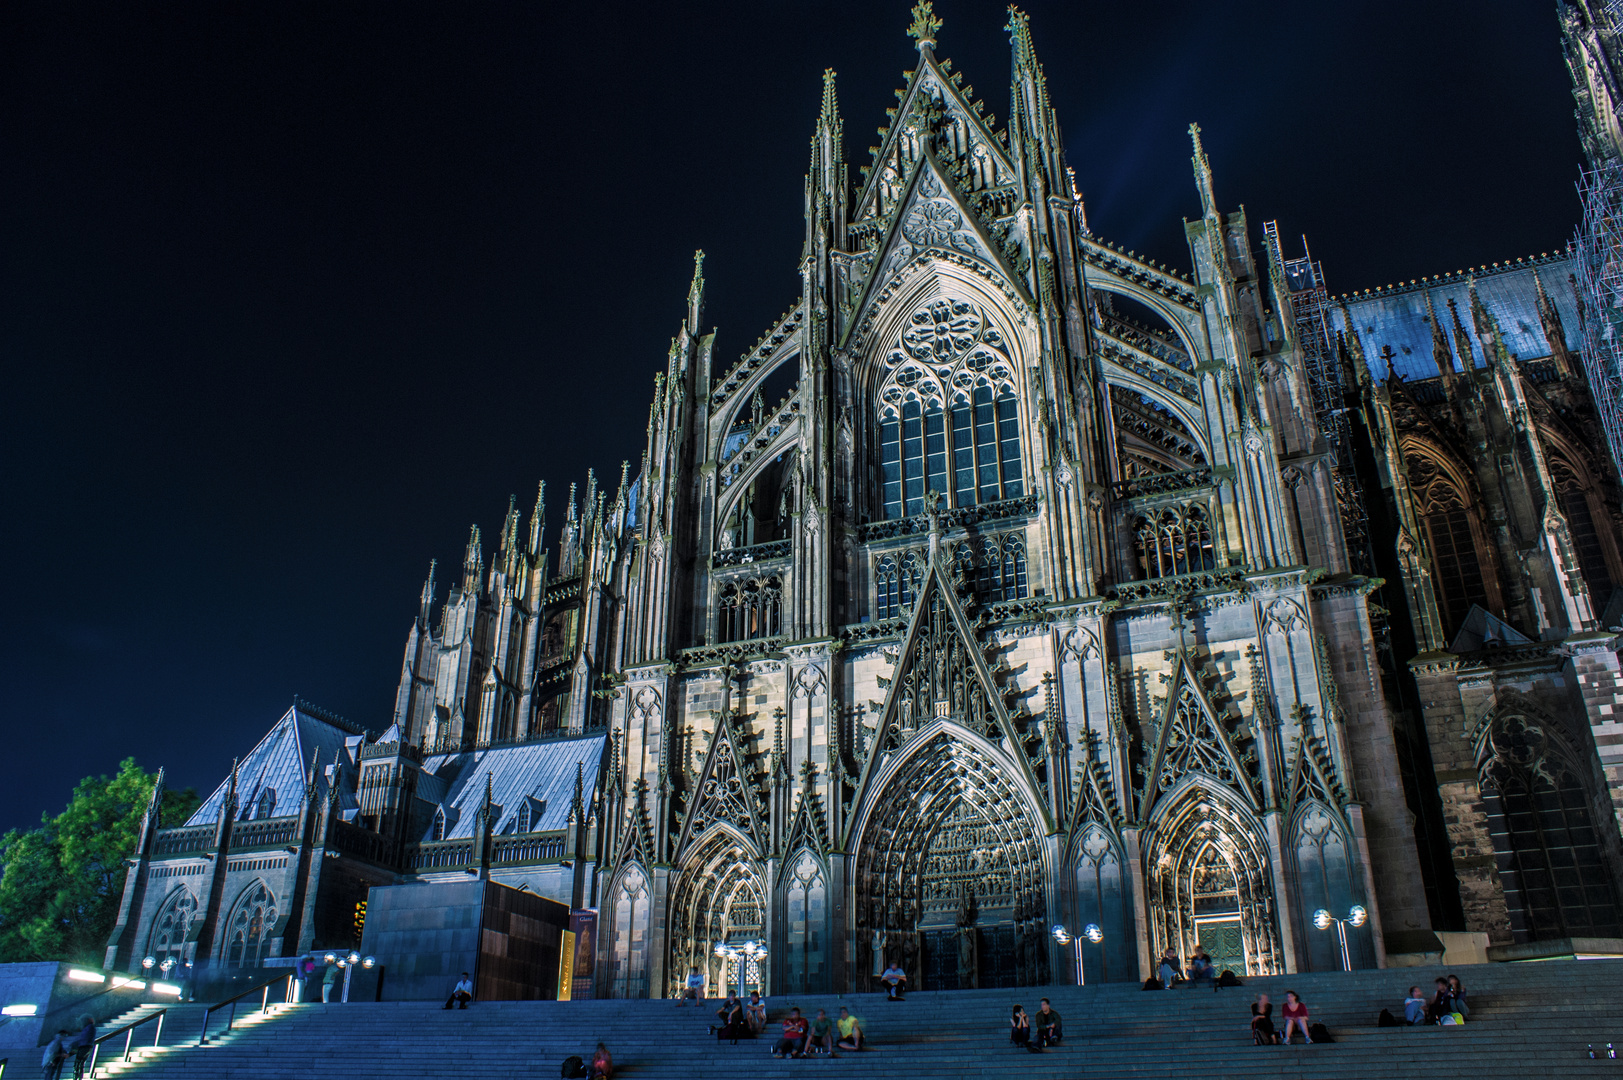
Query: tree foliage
[[63, 881]]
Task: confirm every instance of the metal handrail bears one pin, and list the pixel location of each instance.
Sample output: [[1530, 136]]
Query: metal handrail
[[128, 1031], [3, 1067], [264, 1003]]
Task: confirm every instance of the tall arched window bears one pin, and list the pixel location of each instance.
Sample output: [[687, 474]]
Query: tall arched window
[[439, 824], [1545, 841], [628, 970], [1586, 540], [170, 927], [1177, 540], [248, 933], [750, 609], [949, 421], [806, 898], [886, 598], [1456, 564]]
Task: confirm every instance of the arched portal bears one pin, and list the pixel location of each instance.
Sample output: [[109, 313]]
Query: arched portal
[[628, 972], [1211, 882], [719, 899], [950, 871]]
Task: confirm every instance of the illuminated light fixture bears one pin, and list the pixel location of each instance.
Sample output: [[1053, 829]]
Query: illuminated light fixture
[[1357, 915], [354, 958], [122, 983], [369, 962], [1321, 919], [166, 988], [1093, 933], [19, 1010], [169, 964], [150, 962], [1061, 935], [331, 958], [81, 975]]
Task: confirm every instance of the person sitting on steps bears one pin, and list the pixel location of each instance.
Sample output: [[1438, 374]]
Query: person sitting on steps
[[733, 1025], [793, 1042], [1442, 1003], [822, 1034], [755, 1013], [1414, 1007], [1020, 1027], [1045, 1027], [1169, 968], [602, 1064], [461, 994], [850, 1030], [1456, 992], [1295, 1017], [693, 989], [895, 980], [1200, 967], [1262, 1022]]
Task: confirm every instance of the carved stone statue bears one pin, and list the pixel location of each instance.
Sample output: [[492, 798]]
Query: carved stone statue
[[968, 959]]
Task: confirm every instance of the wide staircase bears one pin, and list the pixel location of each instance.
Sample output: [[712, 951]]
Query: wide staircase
[[1526, 1020]]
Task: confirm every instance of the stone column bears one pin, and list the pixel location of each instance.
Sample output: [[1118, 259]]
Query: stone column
[[1592, 665]]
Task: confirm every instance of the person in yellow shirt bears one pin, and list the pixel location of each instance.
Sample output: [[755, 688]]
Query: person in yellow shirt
[[850, 1030]]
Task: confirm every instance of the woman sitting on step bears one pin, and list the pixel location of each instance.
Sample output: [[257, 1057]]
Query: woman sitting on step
[[1020, 1028], [1295, 1017], [1262, 1021], [1456, 991]]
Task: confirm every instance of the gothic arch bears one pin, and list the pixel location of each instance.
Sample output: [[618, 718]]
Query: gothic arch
[[1447, 509], [248, 928], [803, 901], [1326, 875], [719, 896], [1187, 412], [1209, 878], [168, 936], [1589, 524], [727, 414], [1546, 814], [1186, 322], [949, 826], [631, 895], [1104, 897]]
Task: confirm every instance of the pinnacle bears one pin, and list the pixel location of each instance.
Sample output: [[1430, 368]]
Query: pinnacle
[[925, 25]]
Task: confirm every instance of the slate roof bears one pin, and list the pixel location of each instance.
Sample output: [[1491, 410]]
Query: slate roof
[[279, 764], [541, 772], [1396, 316]]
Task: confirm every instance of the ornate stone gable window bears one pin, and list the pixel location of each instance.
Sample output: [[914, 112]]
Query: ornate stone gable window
[[1456, 559], [250, 925], [750, 609], [1174, 540], [949, 420]]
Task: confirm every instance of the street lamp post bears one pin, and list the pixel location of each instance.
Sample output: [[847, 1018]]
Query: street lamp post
[[1063, 937], [1356, 916], [742, 954]]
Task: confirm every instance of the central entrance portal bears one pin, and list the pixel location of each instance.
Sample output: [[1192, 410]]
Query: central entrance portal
[[949, 874]]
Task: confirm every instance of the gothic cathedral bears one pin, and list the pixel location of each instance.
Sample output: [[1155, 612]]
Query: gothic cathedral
[[1015, 609]]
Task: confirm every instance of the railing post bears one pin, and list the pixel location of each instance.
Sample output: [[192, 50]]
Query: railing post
[[95, 1052], [159, 1036], [129, 1035], [203, 1038]]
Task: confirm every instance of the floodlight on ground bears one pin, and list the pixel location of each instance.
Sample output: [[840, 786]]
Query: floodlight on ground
[[166, 988], [19, 1010], [81, 975]]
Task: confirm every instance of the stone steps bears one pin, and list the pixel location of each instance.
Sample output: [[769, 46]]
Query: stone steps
[[1526, 1019]]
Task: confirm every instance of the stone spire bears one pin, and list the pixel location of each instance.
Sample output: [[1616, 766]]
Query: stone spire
[[1441, 354], [538, 520], [1555, 334], [925, 25], [473, 561], [425, 603], [1203, 173], [696, 295]]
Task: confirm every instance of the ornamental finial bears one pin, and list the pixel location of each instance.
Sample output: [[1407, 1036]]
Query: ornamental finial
[[925, 24]]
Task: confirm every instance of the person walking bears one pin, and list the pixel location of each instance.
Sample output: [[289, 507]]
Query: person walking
[[462, 993], [81, 1045], [56, 1052]]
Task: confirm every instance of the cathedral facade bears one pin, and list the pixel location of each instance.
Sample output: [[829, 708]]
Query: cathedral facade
[[1016, 608]]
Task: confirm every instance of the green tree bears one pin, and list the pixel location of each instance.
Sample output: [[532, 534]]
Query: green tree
[[63, 881]]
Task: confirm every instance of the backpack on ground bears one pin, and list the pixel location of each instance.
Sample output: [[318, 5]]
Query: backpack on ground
[[1318, 1033], [573, 1067], [1387, 1019], [1228, 978]]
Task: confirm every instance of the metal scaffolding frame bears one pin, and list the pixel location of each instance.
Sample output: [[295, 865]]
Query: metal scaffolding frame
[[1597, 266], [1304, 280]]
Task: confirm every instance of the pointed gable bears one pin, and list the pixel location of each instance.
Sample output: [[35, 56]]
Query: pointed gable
[[278, 767], [1193, 739], [725, 790]]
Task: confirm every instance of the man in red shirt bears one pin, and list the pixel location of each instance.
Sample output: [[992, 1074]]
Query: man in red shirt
[[795, 1030]]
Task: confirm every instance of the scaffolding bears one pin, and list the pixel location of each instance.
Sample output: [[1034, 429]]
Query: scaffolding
[[1304, 282], [1597, 269]]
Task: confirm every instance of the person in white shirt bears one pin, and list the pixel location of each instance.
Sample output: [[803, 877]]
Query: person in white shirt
[[462, 994], [56, 1052], [695, 988]]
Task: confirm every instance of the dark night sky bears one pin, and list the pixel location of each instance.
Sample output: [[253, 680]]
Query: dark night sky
[[291, 293]]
